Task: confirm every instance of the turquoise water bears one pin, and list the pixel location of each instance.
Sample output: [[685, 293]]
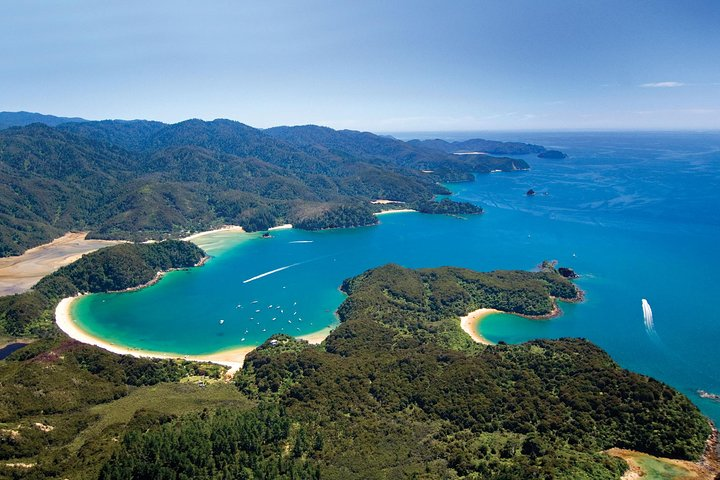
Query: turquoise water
[[637, 215]]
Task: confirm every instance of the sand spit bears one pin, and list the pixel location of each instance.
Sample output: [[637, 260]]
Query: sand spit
[[18, 274]]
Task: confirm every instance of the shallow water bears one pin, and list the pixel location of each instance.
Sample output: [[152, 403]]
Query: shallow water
[[637, 215]]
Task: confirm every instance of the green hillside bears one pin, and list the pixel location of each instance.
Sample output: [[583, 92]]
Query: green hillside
[[398, 390], [141, 180]]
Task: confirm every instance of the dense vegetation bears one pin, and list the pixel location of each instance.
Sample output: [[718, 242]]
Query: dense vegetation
[[554, 154], [396, 391], [227, 444], [446, 206], [113, 268], [20, 119], [480, 145], [63, 405], [138, 180], [340, 217]]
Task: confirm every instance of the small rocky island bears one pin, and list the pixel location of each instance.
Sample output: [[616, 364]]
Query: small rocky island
[[530, 193], [567, 272], [553, 154]]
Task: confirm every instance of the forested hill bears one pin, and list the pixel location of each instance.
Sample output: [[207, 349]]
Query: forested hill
[[20, 119], [394, 393], [398, 390], [140, 179], [479, 145]]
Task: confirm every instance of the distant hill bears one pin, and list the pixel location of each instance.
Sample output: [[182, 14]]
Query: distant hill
[[20, 119], [479, 145], [141, 179]]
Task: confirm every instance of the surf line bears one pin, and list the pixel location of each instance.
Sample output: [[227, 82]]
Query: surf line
[[271, 272]]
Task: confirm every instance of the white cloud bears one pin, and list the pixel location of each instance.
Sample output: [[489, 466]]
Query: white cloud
[[663, 85]]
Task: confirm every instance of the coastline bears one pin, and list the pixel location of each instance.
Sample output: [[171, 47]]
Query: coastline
[[284, 226], [233, 357], [317, 338], [399, 210], [19, 273], [223, 229], [470, 323]]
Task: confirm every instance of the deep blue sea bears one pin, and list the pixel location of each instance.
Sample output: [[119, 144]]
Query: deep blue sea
[[637, 215]]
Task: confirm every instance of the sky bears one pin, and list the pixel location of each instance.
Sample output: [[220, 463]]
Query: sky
[[381, 66]]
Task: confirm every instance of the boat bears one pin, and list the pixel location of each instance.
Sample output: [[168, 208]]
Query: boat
[[708, 395]]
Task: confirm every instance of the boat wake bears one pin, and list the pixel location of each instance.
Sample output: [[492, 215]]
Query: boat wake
[[257, 277], [648, 318], [302, 241]]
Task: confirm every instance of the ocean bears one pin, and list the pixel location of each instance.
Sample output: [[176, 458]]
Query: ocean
[[637, 215]]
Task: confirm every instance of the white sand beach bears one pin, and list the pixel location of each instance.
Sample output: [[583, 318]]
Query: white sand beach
[[232, 358], [317, 337], [223, 229], [471, 321], [285, 226], [399, 210]]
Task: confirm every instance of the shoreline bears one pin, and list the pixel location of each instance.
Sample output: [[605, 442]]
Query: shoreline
[[232, 357], [20, 272], [316, 338], [398, 210], [285, 226], [470, 323], [223, 229]]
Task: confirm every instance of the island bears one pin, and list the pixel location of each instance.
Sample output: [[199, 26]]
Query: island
[[567, 272], [447, 207], [553, 154]]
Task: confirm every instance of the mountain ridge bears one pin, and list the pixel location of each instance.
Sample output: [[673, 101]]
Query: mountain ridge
[[141, 179]]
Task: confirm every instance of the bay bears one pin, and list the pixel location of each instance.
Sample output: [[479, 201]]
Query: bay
[[637, 215]]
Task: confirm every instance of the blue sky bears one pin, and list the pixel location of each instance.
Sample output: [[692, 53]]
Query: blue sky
[[370, 65]]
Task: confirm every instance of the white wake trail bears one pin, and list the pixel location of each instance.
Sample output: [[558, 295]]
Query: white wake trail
[[648, 315], [270, 272]]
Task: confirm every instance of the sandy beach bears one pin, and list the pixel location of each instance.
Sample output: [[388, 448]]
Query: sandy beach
[[399, 210], [285, 226], [316, 338], [471, 321], [223, 229], [232, 358], [18, 274]]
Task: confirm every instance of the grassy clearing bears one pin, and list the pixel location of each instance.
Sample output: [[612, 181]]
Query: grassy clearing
[[168, 398]]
